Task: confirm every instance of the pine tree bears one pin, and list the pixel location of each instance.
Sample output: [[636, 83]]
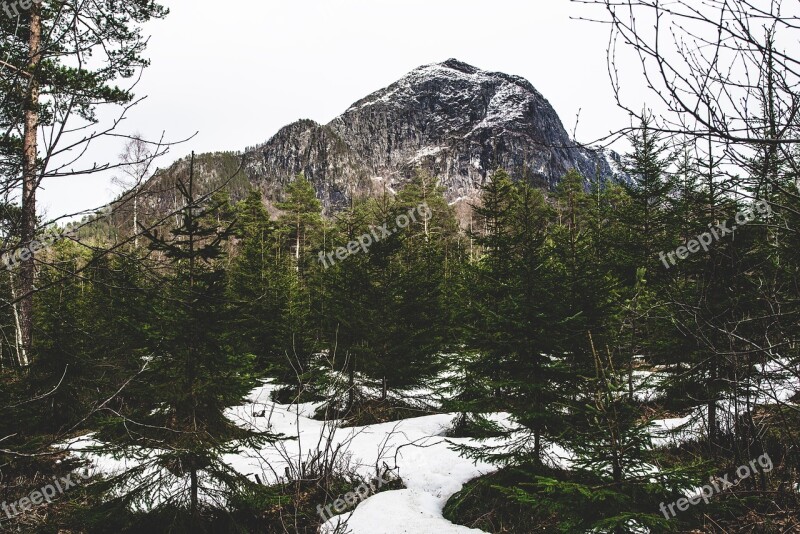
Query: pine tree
[[92, 332], [193, 375], [391, 328], [348, 317], [301, 218], [610, 486], [301, 225], [426, 259], [587, 285], [409, 274], [511, 322], [47, 81], [258, 284], [650, 188]]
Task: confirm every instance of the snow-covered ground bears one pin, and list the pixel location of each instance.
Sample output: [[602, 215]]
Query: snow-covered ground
[[415, 449]]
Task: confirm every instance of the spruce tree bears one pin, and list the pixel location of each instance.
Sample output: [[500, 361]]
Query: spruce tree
[[428, 259], [348, 317], [192, 376], [301, 219], [301, 225], [587, 286], [258, 284], [510, 323]]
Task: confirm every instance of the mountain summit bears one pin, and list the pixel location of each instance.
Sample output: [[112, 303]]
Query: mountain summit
[[453, 119]]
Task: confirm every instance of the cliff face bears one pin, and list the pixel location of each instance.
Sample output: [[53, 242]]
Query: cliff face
[[336, 169], [457, 121]]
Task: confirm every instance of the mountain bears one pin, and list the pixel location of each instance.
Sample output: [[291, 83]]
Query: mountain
[[459, 122], [455, 120]]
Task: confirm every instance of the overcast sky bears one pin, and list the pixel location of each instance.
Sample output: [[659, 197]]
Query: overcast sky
[[237, 71]]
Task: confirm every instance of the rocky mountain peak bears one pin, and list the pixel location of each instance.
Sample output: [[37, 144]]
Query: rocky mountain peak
[[455, 64], [455, 120]]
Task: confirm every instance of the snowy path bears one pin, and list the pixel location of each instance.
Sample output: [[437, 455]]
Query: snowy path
[[415, 448]]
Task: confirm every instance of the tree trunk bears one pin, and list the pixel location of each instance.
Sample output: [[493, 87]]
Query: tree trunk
[[630, 362], [29, 180], [195, 509], [22, 358], [191, 363], [135, 220], [712, 405], [616, 465], [297, 246], [351, 382]]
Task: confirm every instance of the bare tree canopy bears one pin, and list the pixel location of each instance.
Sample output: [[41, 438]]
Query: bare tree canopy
[[724, 69]]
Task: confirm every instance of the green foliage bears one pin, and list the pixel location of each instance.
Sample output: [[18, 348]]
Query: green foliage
[[386, 313], [259, 281], [71, 34], [190, 376], [511, 319], [300, 220]]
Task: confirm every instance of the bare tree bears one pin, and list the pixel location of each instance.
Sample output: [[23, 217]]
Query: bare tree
[[136, 159], [724, 71]]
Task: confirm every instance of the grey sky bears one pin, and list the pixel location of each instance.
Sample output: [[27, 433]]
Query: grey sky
[[237, 71]]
